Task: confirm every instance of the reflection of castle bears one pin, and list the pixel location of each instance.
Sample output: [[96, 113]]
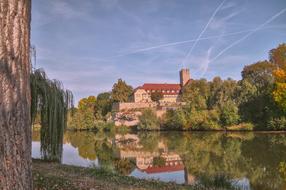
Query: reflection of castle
[[130, 147], [173, 162]]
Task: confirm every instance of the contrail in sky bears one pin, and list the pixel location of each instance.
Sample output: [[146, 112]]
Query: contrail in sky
[[184, 42], [249, 34], [202, 32]]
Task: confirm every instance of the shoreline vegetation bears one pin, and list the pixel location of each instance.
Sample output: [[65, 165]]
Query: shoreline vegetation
[[125, 129], [52, 176]]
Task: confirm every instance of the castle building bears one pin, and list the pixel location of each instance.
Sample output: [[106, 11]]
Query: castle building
[[171, 92]]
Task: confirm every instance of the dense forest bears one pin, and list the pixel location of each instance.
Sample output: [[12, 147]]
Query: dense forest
[[256, 102]]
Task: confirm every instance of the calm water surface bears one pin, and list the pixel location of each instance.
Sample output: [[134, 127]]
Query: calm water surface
[[255, 161]]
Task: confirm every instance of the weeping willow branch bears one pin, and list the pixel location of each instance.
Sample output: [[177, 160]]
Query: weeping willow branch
[[52, 102]]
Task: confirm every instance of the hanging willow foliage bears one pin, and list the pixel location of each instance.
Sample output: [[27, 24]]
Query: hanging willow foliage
[[52, 102]]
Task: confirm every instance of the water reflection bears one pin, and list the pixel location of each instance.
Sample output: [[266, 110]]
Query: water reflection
[[252, 161]]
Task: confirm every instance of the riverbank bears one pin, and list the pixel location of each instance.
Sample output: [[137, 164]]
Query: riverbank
[[54, 176]]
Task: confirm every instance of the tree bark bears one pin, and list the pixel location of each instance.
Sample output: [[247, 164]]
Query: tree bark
[[15, 128]]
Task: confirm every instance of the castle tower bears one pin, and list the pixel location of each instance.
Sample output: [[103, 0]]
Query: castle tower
[[184, 76]]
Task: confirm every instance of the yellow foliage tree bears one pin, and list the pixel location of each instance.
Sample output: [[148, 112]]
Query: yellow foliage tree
[[278, 57]]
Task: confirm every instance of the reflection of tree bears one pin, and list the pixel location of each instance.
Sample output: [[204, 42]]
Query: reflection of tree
[[124, 166], [234, 155], [84, 141], [263, 165], [212, 154], [36, 136], [159, 161], [220, 181], [282, 170], [149, 140]]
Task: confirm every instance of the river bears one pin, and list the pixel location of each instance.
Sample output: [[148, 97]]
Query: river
[[255, 161]]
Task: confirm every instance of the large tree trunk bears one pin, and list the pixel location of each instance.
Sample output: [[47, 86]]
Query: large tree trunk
[[15, 129]]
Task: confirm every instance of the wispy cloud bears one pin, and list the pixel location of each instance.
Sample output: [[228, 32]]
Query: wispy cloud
[[202, 32], [219, 23], [205, 63], [228, 5], [249, 34], [183, 42]]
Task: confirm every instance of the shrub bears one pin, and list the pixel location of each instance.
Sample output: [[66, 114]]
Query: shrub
[[82, 120], [204, 120], [241, 127], [210, 125], [229, 114], [148, 120], [277, 124], [175, 119]]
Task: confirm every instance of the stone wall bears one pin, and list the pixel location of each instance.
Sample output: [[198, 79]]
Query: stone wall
[[124, 106]]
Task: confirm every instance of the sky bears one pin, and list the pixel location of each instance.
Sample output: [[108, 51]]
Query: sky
[[90, 44]]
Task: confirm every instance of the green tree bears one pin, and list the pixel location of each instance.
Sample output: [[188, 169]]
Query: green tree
[[278, 56], [260, 75], [244, 91], [196, 93], [121, 91], [87, 103], [221, 91], [156, 96], [148, 120], [103, 103], [204, 120], [256, 102], [175, 119], [52, 102], [229, 114], [84, 117]]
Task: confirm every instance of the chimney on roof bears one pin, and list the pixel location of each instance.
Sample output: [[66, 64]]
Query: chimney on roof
[[184, 76]]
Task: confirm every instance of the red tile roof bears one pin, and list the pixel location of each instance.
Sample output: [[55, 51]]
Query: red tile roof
[[164, 88], [150, 170]]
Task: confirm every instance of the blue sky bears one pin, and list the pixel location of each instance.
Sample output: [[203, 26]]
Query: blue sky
[[89, 44]]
